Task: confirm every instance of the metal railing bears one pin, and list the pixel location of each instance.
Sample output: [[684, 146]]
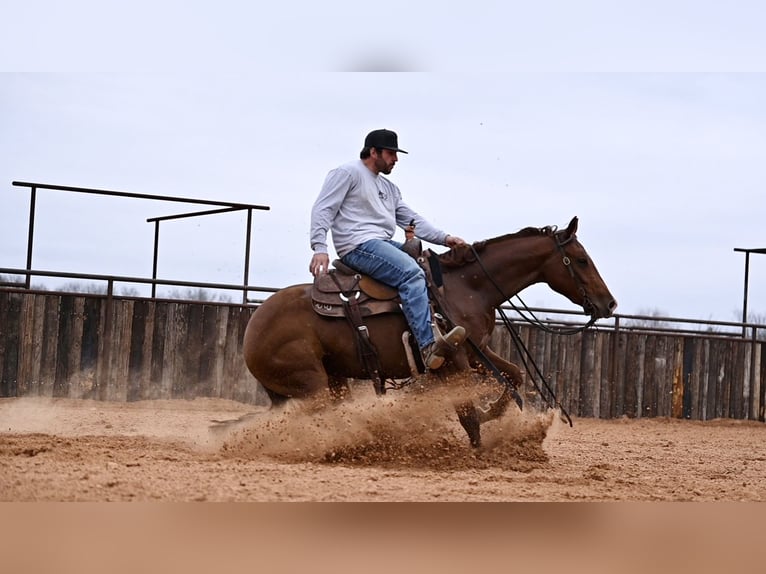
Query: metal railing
[[223, 207], [111, 280]]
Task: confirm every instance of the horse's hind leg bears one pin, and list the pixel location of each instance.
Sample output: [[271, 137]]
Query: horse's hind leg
[[277, 400]]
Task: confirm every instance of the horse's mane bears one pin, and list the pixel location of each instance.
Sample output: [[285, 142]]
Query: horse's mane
[[463, 254]]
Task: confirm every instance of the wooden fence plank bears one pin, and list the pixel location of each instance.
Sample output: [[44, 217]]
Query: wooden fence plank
[[193, 350], [694, 376], [91, 342], [620, 350], [147, 353], [11, 344], [74, 349], [222, 320], [248, 390], [49, 351], [159, 337], [572, 369], [740, 387], [170, 352], [24, 352], [600, 384], [104, 348], [588, 385], [137, 357], [652, 375], [552, 368], [6, 333], [717, 372], [760, 413], [665, 367], [207, 352], [757, 374], [178, 327], [38, 317], [609, 371], [63, 343], [121, 349], [665, 382], [635, 374]]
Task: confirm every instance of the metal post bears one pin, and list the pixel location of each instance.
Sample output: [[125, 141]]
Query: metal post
[[753, 347], [247, 255], [154, 260], [615, 369], [747, 253], [30, 235], [744, 300], [103, 375]]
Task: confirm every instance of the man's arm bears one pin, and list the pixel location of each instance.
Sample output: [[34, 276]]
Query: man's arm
[[325, 208]]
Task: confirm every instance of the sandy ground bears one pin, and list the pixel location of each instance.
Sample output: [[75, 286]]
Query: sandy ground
[[405, 448]]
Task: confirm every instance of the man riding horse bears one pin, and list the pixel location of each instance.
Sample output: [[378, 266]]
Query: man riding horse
[[362, 209]]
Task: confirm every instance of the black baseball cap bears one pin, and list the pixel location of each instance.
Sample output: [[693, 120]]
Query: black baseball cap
[[383, 139]]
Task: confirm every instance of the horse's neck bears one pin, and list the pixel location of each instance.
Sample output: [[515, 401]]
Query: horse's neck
[[507, 267]]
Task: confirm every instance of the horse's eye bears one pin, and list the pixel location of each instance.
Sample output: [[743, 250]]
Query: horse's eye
[[583, 261]]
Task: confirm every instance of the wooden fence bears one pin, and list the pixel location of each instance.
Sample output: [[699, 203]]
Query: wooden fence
[[123, 349], [86, 346], [608, 373]]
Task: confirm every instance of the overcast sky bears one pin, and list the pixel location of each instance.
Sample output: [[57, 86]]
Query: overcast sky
[[662, 159]]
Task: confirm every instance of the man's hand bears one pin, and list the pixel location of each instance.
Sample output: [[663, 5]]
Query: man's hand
[[454, 241], [320, 263]]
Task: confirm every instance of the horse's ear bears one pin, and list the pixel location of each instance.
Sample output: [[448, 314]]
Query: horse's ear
[[572, 228]]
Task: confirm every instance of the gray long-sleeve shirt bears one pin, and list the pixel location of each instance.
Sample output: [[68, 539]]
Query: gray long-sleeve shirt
[[356, 205]]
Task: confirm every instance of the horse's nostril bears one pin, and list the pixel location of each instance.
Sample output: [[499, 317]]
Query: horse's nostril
[[612, 305]]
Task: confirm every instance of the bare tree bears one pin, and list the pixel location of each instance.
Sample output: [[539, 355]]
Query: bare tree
[[198, 294], [651, 318], [77, 287]]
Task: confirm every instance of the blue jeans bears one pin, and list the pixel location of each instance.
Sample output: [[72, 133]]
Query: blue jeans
[[385, 261]]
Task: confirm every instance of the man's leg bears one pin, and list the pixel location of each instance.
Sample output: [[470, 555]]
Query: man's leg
[[386, 262]]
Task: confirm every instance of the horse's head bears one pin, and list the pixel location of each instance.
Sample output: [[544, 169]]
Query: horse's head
[[571, 272], [515, 261]]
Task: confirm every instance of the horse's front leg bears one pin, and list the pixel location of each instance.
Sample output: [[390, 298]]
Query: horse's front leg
[[510, 370], [495, 409], [468, 415]]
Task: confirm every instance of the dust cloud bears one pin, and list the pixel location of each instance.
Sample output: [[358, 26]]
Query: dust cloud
[[418, 429]]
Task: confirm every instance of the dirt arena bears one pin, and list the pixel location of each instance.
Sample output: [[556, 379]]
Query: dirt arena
[[405, 448]]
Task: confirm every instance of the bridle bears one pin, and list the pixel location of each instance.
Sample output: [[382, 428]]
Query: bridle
[[587, 304], [527, 314]]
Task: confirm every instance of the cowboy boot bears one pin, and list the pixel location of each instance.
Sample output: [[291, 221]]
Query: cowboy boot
[[435, 354]]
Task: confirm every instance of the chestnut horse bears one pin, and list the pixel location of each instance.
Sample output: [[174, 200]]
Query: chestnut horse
[[296, 353]]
